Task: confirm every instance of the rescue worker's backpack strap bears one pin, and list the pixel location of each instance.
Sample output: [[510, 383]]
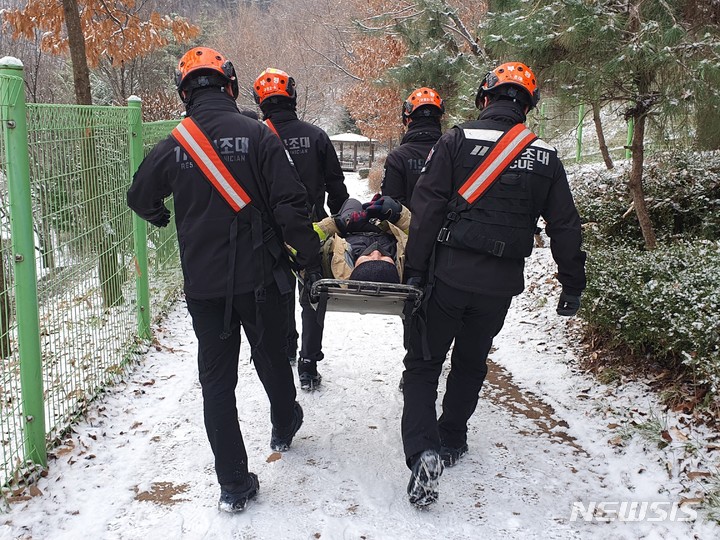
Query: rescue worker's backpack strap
[[272, 127], [322, 307], [201, 149], [503, 153], [230, 289]]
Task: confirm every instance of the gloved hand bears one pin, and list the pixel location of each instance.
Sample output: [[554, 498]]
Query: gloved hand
[[414, 279], [350, 222], [312, 275], [163, 220], [568, 304], [384, 207]]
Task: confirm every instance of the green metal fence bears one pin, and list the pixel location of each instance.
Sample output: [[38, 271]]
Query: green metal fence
[[570, 128], [78, 270]]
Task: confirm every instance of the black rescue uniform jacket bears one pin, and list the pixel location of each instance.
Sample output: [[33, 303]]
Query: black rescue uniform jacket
[[314, 156], [534, 185], [258, 161], [404, 163]]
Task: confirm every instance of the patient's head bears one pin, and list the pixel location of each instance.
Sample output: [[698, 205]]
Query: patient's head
[[375, 267]]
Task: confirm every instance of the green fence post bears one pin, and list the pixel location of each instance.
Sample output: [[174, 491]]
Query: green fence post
[[578, 146], [139, 224], [13, 116], [630, 129], [543, 120]]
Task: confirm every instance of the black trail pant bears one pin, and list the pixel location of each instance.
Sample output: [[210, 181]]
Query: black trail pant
[[312, 332], [472, 320], [218, 370]]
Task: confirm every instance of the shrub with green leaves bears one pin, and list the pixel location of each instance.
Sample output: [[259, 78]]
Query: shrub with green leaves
[[682, 192], [665, 302]]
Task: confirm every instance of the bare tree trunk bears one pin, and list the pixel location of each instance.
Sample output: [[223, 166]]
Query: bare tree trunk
[[601, 136], [107, 251], [78, 54], [635, 184], [643, 104]]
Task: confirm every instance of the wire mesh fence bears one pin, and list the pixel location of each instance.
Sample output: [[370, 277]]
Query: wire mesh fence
[[84, 266], [79, 171], [163, 254]]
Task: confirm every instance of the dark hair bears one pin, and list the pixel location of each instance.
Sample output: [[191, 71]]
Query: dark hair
[[379, 271]]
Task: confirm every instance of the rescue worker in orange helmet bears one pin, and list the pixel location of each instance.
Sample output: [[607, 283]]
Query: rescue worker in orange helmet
[[484, 187], [319, 168], [238, 201], [421, 115]]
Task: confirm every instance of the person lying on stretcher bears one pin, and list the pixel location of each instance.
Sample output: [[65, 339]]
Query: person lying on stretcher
[[365, 242]]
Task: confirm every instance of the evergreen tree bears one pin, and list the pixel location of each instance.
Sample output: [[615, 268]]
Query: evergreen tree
[[439, 50], [641, 54]]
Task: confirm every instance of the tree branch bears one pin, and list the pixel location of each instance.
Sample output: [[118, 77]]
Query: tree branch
[[333, 62]]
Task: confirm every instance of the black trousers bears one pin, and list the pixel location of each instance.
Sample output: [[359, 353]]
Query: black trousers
[[472, 320], [266, 329], [312, 331]]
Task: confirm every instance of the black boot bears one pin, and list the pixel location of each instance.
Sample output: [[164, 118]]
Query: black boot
[[280, 440], [308, 375], [426, 469], [451, 455], [235, 496]]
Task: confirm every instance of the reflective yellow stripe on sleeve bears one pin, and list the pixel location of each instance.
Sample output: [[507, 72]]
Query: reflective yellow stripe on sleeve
[[322, 234]]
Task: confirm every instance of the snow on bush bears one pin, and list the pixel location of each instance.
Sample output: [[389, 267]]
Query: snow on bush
[[665, 302], [682, 191]]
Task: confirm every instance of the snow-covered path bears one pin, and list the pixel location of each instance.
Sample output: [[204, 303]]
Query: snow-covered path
[[140, 467]]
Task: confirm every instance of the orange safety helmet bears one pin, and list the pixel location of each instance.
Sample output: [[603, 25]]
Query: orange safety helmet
[[505, 80], [422, 97], [201, 67], [273, 82]]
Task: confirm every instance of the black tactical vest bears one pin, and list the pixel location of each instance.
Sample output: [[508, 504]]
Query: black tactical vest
[[503, 220]]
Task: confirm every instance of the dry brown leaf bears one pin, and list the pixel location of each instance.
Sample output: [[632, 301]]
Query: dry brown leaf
[[678, 435], [698, 474], [63, 450], [666, 435], [273, 457], [35, 491]]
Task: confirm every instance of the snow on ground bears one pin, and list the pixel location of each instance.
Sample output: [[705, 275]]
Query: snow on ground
[[139, 466]]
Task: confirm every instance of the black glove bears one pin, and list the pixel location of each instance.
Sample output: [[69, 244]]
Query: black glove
[[163, 220], [312, 275], [351, 222], [384, 208], [568, 305], [414, 279]]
